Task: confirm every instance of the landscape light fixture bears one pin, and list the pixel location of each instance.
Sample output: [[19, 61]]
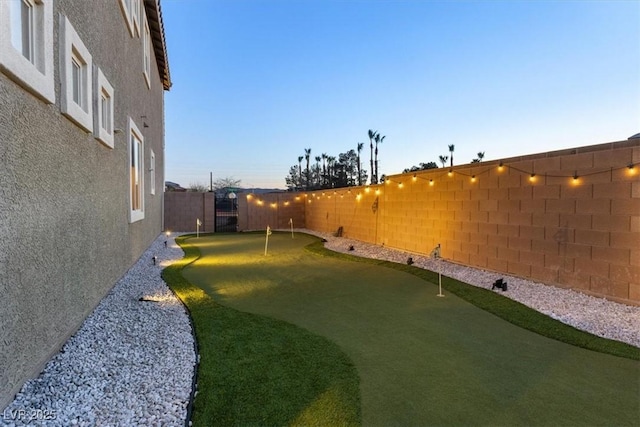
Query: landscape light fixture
[[500, 284]]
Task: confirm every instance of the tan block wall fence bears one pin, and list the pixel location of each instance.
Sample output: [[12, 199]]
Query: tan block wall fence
[[582, 234], [182, 210]]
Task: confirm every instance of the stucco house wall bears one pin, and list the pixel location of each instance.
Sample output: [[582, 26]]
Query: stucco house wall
[[65, 205]]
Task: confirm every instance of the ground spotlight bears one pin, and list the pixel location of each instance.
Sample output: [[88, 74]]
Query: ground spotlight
[[500, 284]]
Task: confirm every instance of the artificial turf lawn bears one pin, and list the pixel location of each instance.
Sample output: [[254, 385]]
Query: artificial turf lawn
[[421, 360]]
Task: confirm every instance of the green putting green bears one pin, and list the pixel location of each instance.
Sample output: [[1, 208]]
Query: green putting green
[[421, 359]]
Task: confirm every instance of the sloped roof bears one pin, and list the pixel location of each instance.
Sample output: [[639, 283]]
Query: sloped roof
[[156, 27]]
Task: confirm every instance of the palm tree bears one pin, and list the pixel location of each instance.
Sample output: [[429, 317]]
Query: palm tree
[[443, 160], [372, 135], [360, 146], [451, 148], [331, 161], [378, 140], [480, 156], [307, 156], [324, 169], [300, 170], [318, 158]]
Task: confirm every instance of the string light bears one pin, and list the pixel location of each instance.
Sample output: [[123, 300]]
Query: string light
[[574, 180]]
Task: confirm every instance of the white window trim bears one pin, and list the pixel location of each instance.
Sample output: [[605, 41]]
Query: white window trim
[[71, 45], [124, 6], [138, 214], [101, 85], [152, 171], [146, 51], [36, 79], [135, 16]]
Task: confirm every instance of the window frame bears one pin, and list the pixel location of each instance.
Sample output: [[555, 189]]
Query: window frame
[[146, 51], [152, 172], [35, 74], [127, 12], [136, 207], [72, 49], [102, 87]]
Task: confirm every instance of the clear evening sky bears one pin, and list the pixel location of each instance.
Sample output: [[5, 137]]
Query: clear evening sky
[[255, 82]]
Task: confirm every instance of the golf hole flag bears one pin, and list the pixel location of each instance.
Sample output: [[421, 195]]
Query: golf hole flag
[[266, 241], [291, 225]]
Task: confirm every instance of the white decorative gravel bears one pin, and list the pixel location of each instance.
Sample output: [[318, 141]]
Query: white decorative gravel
[[130, 364], [598, 316]]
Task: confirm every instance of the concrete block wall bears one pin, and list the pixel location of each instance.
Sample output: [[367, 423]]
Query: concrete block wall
[[257, 211], [528, 217], [183, 209]]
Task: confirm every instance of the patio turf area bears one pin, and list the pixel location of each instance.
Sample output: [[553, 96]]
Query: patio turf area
[[394, 353]]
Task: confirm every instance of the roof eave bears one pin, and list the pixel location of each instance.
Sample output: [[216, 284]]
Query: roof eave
[[156, 28]]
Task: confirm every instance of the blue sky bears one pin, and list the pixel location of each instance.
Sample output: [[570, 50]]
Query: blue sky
[[255, 82]]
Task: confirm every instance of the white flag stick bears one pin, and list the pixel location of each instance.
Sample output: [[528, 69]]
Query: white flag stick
[[198, 227], [291, 224], [266, 242]]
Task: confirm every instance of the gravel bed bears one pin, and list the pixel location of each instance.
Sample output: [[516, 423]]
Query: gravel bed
[[598, 316], [131, 363]]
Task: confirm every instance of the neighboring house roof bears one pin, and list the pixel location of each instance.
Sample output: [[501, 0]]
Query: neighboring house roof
[[156, 27], [636, 136]]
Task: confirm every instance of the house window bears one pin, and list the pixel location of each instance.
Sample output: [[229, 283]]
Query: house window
[[77, 80], [146, 41], [152, 170], [75, 65], [105, 116], [131, 13], [23, 28], [26, 45], [135, 15], [136, 165], [103, 120]]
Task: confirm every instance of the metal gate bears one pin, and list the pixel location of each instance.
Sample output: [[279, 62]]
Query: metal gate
[[226, 208]]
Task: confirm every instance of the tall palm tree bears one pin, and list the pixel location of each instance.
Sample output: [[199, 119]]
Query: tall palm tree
[[300, 170], [443, 160], [480, 156], [372, 135], [324, 169], [378, 140], [360, 146], [331, 162], [318, 158], [451, 148], [307, 156]]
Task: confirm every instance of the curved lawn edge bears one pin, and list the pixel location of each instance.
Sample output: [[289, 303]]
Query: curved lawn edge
[[501, 306], [256, 370]]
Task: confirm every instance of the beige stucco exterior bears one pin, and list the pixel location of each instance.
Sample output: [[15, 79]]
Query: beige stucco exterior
[[65, 196]]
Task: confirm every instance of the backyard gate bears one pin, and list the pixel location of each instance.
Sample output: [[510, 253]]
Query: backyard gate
[[226, 208]]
